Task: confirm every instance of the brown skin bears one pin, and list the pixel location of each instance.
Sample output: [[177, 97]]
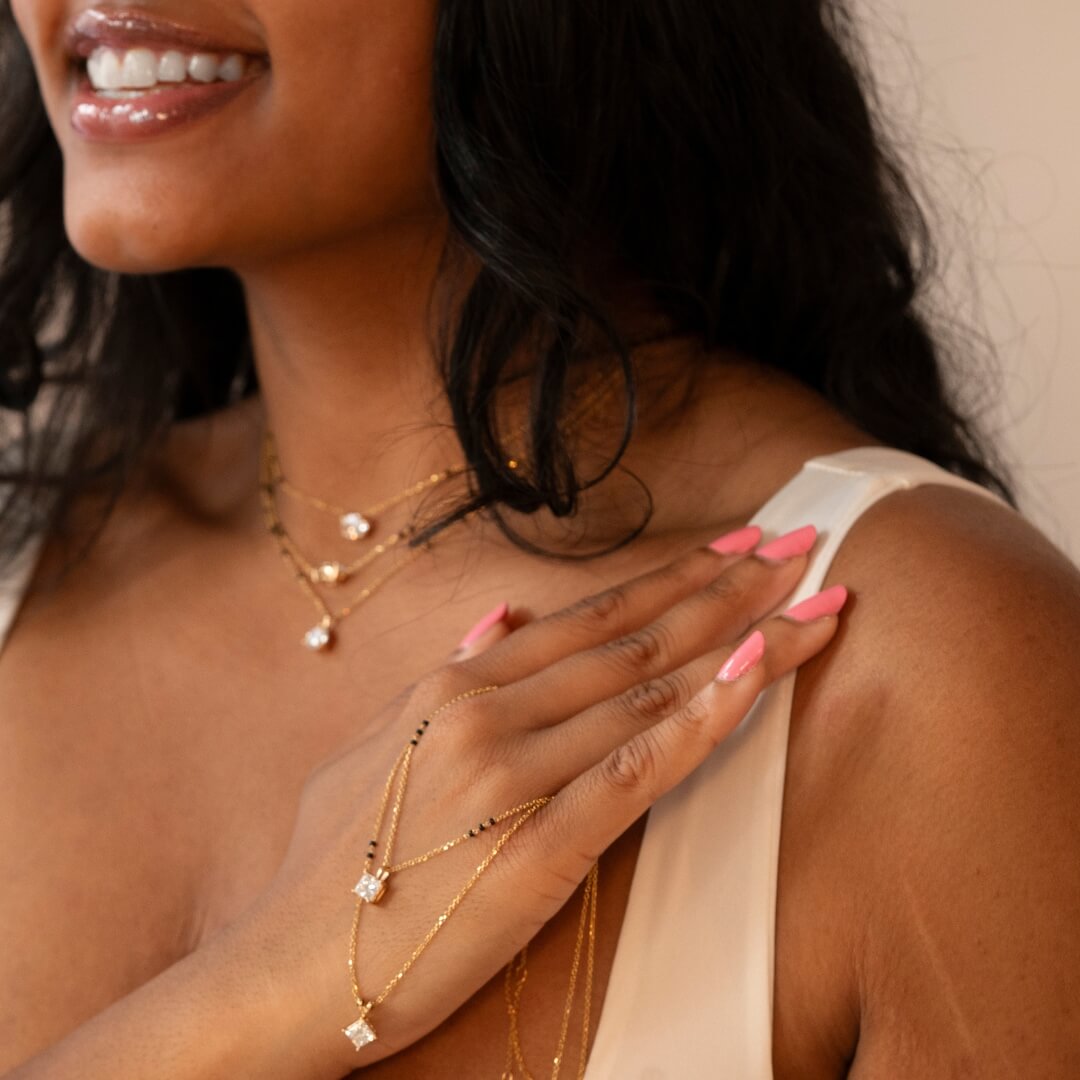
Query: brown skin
[[928, 879]]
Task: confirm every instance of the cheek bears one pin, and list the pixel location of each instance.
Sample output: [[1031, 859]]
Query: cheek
[[334, 143]]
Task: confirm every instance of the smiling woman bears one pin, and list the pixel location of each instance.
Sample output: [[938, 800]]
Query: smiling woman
[[610, 319]]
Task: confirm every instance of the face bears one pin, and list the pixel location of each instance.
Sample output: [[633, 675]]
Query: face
[[274, 126]]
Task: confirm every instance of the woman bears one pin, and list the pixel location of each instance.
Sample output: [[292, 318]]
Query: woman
[[542, 299]]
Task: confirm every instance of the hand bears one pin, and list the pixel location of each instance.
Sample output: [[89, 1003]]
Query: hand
[[605, 706]]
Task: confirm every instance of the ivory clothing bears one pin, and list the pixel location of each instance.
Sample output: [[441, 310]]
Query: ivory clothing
[[691, 989]]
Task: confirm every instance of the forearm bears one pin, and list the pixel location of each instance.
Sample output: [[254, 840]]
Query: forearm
[[213, 1015]]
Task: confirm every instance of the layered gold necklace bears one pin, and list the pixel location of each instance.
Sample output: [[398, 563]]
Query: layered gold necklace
[[357, 526]]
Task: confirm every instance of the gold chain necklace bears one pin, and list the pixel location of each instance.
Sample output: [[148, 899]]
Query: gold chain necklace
[[321, 636], [514, 985], [355, 525]]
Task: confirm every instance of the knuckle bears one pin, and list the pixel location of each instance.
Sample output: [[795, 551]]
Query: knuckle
[[438, 687], [656, 698], [641, 651], [692, 720], [631, 767], [688, 572], [726, 589], [603, 612], [465, 729]]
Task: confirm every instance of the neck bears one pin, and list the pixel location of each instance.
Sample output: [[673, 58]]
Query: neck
[[349, 387], [343, 350]]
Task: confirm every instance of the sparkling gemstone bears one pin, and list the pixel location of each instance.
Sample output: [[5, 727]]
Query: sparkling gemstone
[[370, 887], [330, 572], [361, 1033], [317, 638], [355, 526]]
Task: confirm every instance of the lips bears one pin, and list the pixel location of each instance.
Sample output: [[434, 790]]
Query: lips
[[128, 28], [205, 68]]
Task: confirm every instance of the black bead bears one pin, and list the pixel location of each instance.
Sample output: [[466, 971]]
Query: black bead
[[491, 821], [414, 742], [472, 832]]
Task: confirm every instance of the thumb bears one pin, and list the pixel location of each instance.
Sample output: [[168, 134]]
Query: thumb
[[490, 630]]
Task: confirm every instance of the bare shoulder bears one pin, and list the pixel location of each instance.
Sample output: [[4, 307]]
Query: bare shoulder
[[932, 773]]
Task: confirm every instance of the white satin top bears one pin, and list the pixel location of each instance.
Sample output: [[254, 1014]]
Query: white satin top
[[690, 993], [691, 990]]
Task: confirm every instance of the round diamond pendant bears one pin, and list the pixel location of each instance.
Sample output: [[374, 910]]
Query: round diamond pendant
[[355, 526], [318, 638], [331, 573]]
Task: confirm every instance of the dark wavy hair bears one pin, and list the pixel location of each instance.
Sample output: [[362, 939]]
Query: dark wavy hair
[[726, 156]]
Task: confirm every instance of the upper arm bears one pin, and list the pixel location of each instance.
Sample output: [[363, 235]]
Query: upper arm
[[954, 807]]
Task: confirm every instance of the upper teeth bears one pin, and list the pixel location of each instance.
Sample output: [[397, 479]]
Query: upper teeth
[[139, 69]]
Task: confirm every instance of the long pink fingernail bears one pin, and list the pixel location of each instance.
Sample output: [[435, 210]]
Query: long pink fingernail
[[744, 659], [485, 624], [738, 542], [789, 545], [829, 602]]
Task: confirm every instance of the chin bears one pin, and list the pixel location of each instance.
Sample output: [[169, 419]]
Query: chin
[[137, 228]]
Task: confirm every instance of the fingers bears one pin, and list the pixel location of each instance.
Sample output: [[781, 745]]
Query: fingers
[[571, 832], [585, 739], [708, 619], [607, 615]]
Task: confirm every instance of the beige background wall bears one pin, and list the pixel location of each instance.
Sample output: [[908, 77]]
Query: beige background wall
[[989, 90]]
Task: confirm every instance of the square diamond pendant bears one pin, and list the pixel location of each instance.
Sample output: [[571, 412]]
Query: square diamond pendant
[[360, 1033], [370, 887]]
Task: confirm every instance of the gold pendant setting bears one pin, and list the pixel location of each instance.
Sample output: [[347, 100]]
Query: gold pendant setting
[[371, 887], [361, 1033]]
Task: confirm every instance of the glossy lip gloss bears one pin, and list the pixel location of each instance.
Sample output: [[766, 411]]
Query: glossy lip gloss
[[150, 113], [155, 110]]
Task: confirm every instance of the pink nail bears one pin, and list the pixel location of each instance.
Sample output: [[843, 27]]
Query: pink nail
[[744, 659], [789, 545], [484, 625], [829, 602], [739, 542]]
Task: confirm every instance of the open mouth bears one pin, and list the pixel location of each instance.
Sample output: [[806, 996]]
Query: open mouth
[[135, 75]]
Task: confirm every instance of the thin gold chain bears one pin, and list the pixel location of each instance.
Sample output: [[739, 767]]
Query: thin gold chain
[[475, 831], [332, 508], [400, 772], [366, 1007], [517, 973], [407, 754], [330, 571], [327, 616], [306, 575]]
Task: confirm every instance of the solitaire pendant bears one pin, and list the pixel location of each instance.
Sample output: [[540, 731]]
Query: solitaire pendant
[[329, 573], [361, 1033], [355, 526], [370, 887], [319, 638]]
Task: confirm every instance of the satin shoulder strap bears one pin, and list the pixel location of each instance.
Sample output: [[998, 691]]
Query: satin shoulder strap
[[690, 993]]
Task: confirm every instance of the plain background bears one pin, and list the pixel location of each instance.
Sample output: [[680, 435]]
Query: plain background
[[983, 95]]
